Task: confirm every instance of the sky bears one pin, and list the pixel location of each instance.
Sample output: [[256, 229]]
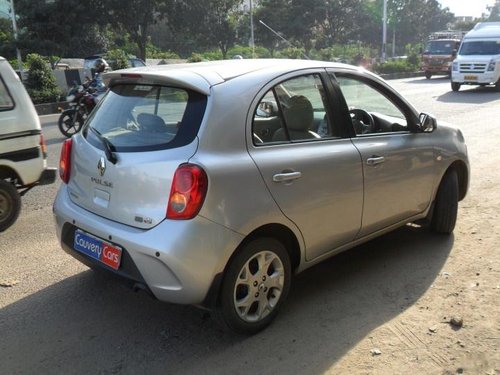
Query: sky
[[467, 7]]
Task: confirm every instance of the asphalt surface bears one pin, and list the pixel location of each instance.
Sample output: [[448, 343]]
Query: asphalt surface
[[59, 317]]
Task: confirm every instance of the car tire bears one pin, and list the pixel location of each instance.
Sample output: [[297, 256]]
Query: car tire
[[10, 204], [255, 286], [455, 86], [428, 75], [444, 215], [497, 85]]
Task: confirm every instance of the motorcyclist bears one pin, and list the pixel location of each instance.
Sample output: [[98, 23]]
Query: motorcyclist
[[100, 65]]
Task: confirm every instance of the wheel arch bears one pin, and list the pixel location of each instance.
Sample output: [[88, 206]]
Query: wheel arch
[[277, 231], [7, 173], [280, 233], [463, 177]]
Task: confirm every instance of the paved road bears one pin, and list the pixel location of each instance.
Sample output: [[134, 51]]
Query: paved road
[[61, 318]]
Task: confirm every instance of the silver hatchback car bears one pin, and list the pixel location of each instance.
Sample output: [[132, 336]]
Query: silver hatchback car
[[213, 183]]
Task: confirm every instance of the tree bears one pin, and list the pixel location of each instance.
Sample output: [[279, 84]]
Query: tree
[[67, 28], [273, 13], [494, 13], [41, 83], [7, 44], [342, 20], [213, 22], [137, 17]]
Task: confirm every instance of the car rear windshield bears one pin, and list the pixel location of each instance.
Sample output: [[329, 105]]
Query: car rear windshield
[[142, 117]]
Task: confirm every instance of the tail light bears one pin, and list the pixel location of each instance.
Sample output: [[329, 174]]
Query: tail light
[[189, 188], [65, 161], [43, 146]]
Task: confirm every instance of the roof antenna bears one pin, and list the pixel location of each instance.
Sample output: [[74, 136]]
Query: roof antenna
[[279, 36]]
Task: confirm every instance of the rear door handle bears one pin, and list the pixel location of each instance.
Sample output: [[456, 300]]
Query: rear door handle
[[374, 160], [288, 176]]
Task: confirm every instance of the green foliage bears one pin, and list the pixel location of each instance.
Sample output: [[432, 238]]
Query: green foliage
[[195, 57], [351, 53], [394, 66], [414, 56], [117, 59], [41, 83], [246, 52], [494, 13], [7, 46], [346, 30], [292, 53], [153, 52]]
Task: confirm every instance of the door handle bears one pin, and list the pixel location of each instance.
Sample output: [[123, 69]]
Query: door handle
[[374, 160], [287, 176]]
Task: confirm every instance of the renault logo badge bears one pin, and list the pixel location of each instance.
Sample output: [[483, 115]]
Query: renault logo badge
[[101, 166]]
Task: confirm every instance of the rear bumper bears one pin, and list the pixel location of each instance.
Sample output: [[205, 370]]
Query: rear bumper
[[439, 69], [178, 260]]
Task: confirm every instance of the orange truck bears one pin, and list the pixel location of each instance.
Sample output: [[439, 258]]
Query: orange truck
[[440, 51]]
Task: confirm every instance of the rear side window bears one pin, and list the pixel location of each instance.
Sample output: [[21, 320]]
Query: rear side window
[[293, 111], [138, 117], [6, 102]]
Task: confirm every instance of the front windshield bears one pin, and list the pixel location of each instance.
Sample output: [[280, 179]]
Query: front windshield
[[444, 47], [490, 47]]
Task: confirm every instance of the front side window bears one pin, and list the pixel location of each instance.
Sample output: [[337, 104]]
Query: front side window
[[133, 117], [6, 102], [293, 110], [370, 110]]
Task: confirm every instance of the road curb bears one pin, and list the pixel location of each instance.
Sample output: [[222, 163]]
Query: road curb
[[50, 108]]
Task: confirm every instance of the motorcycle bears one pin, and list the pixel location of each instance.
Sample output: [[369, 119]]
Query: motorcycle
[[82, 100]]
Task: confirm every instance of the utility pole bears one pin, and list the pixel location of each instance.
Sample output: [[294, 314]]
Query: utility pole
[[252, 40], [384, 30], [14, 28]]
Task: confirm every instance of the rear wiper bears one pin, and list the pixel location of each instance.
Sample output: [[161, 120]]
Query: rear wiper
[[108, 147]]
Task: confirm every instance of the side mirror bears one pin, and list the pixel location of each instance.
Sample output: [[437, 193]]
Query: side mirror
[[427, 123], [454, 53]]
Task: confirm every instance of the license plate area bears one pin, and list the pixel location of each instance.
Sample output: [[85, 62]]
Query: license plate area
[[470, 78], [97, 249]]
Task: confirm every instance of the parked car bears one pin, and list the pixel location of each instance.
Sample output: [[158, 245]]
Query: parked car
[[214, 183], [23, 152]]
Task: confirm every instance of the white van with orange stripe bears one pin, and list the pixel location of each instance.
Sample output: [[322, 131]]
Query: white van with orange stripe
[[23, 163]]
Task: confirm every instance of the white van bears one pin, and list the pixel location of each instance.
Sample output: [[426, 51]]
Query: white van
[[478, 59], [23, 155]]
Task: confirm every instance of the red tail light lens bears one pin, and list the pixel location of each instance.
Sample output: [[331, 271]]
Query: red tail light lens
[[65, 161], [188, 192]]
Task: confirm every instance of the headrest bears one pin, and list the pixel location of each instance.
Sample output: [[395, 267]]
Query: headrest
[[299, 114]]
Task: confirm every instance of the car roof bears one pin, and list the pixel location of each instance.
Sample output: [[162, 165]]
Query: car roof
[[201, 76]]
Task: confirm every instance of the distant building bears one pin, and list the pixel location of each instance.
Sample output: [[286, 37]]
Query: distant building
[[464, 19]]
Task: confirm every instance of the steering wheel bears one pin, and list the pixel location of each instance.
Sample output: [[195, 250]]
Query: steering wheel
[[363, 121]]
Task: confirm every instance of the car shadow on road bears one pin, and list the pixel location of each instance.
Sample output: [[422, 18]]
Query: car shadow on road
[[470, 94], [435, 80], [89, 324]]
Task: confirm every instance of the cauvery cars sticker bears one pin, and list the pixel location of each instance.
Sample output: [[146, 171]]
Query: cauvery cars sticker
[[98, 249]]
